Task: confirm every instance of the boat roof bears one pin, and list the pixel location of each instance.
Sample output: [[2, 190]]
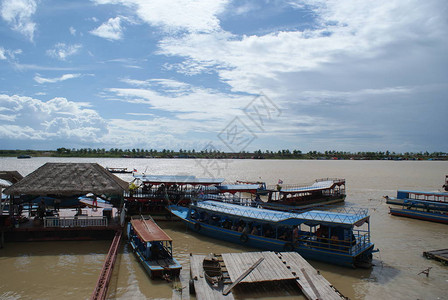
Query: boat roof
[[149, 231], [178, 179], [287, 218], [233, 188], [424, 193], [317, 186]]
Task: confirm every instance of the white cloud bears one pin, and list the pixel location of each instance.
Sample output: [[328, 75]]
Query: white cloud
[[18, 13], [72, 30], [111, 30], [9, 54], [40, 79], [57, 119], [61, 50], [2, 53], [183, 15]]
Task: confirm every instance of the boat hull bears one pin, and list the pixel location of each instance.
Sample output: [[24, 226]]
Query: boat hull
[[157, 268], [421, 215]]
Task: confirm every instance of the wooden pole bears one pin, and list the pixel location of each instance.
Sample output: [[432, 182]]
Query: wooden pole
[[227, 290]]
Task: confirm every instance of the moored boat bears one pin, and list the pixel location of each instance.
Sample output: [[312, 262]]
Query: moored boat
[[403, 195], [341, 237], [422, 210], [212, 270], [153, 248], [119, 170], [322, 192]]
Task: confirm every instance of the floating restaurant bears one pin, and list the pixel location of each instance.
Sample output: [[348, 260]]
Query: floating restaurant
[[62, 181]]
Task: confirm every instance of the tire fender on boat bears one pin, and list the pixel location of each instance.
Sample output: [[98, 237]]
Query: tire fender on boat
[[288, 247], [244, 238], [197, 226]]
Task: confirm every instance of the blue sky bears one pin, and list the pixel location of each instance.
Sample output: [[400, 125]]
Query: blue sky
[[228, 75]]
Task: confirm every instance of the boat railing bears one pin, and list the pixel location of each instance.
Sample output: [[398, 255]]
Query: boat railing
[[79, 221], [245, 201], [359, 242]]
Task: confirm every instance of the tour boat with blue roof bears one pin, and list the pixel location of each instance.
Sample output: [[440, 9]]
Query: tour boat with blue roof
[[422, 209], [340, 237], [403, 195], [153, 248]]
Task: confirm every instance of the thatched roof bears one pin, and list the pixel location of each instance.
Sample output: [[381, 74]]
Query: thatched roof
[[68, 179], [11, 176]]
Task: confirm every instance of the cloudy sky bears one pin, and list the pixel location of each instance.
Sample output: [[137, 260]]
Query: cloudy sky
[[341, 75]]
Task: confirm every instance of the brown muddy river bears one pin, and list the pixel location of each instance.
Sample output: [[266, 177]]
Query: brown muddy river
[[69, 270]]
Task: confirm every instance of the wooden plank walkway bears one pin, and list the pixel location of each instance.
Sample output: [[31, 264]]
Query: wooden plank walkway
[[440, 255], [102, 285], [310, 281], [275, 267]]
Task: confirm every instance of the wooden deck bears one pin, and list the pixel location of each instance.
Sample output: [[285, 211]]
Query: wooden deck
[[440, 255], [275, 267]]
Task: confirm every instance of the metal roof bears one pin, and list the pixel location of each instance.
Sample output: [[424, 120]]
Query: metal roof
[[315, 216], [149, 231]]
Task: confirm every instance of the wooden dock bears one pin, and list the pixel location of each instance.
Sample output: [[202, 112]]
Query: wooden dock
[[440, 255], [280, 268]]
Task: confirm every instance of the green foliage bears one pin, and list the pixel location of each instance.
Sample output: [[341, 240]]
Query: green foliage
[[215, 154]]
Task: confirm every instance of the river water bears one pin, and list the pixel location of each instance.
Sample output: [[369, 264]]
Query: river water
[[69, 270]]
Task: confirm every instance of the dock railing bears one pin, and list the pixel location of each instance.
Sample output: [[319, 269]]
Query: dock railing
[[75, 221]]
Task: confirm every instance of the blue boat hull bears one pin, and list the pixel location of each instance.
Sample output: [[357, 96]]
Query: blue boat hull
[[361, 259], [421, 215]]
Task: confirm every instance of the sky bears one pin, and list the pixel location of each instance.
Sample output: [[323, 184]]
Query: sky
[[343, 75]]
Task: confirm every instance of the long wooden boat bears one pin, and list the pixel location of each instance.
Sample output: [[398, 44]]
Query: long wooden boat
[[341, 237], [153, 248], [119, 170], [423, 210], [212, 270], [403, 195], [322, 192]]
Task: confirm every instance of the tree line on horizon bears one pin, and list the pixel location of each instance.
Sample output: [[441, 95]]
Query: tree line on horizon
[[216, 154]]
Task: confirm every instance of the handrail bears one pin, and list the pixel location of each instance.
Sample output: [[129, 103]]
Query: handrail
[[75, 221]]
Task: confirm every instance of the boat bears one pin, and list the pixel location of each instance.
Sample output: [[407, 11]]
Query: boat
[[119, 170], [153, 248], [423, 210], [94, 202], [322, 192], [24, 156], [403, 195], [339, 237], [212, 270]]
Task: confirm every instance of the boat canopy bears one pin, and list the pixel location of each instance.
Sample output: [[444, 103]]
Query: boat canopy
[[149, 231], [317, 186], [178, 179], [345, 218], [402, 193], [234, 188]]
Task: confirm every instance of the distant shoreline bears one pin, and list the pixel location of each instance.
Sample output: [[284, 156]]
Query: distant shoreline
[[192, 154]]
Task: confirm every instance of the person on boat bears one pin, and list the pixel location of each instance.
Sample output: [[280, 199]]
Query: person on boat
[[94, 202], [295, 233], [254, 231], [41, 209], [57, 204]]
